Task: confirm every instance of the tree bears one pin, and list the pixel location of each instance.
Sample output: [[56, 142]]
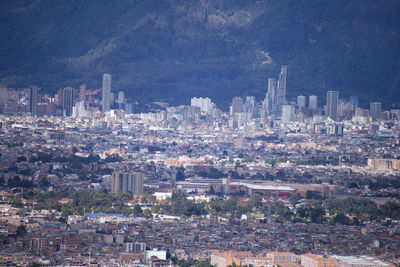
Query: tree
[[255, 201], [21, 230], [14, 182], [21, 158], [137, 210], [312, 194], [180, 176], [341, 219], [44, 183]]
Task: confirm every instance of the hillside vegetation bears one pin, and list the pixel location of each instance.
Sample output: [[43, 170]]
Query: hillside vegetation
[[172, 50]]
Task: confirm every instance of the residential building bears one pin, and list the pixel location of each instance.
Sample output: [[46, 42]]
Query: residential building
[[127, 182]]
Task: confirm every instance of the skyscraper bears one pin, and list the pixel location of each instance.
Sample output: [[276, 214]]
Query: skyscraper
[[127, 182], [33, 100], [281, 88], [375, 110], [270, 96], [68, 101], [3, 97], [301, 101], [250, 103], [106, 92], [332, 99], [237, 105], [354, 101], [82, 93], [313, 102], [288, 113]]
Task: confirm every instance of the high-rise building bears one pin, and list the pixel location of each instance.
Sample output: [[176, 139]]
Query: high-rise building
[[68, 101], [127, 182], [237, 105], [250, 103], [313, 102], [276, 95], [82, 93], [281, 89], [270, 96], [354, 101], [204, 104], [106, 92], [3, 97], [301, 101], [33, 100], [375, 110], [121, 97], [288, 113], [332, 99], [250, 106]]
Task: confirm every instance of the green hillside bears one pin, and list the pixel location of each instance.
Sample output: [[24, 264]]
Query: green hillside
[[171, 50]]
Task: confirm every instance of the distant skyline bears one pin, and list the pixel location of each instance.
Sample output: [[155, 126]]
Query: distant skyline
[[208, 49]]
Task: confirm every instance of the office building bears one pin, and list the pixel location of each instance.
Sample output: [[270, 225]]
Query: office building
[[354, 101], [332, 100], [82, 93], [250, 103], [68, 101], [275, 98], [33, 100], [3, 97], [121, 97], [106, 91], [313, 102], [281, 90], [269, 101], [127, 182], [288, 113], [301, 101], [250, 106], [375, 110], [204, 104], [237, 105]]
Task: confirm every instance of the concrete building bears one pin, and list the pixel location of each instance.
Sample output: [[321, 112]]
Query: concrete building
[[310, 260], [106, 92], [82, 93], [204, 104], [237, 105], [127, 182], [288, 113], [301, 101], [281, 89], [375, 110], [224, 259], [68, 101], [360, 261], [33, 100], [332, 100], [313, 102], [384, 165], [269, 101]]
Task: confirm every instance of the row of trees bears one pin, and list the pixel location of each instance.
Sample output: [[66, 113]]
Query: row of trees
[[316, 210]]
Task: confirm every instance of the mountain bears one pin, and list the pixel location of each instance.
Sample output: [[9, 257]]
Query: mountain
[[170, 50]]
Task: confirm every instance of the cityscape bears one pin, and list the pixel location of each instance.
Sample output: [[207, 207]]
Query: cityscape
[[89, 179]]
